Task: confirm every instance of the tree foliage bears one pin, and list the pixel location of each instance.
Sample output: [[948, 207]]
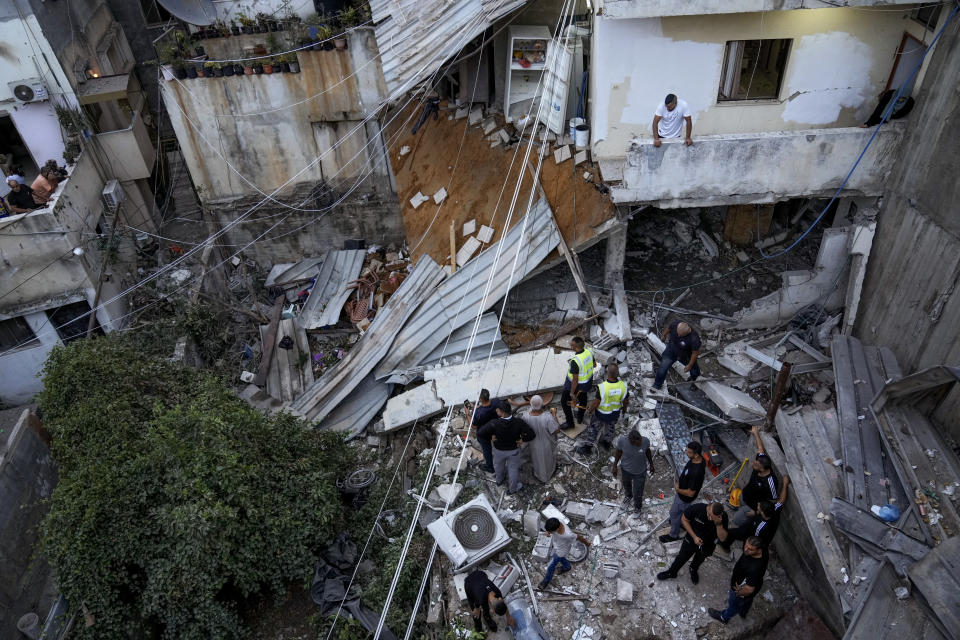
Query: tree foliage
[[176, 499]]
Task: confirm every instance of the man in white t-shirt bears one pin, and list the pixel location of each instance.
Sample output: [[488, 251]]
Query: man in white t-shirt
[[668, 120]]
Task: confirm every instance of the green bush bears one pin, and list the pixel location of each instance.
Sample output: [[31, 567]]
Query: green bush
[[176, 499]]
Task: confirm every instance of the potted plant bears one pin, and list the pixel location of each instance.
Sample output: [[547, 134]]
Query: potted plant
[[210, 69], [192, 71], [166, 55], [246, 24], [273, 45], [227, 70], [280, 64], [257, 67], [294, 62], [234, 28], [259, 49], [348, 18], [238, 69], [268, 66], [340, 42], [261, 22], [248, 67], [200, 52], [179, 69], [201, 70]]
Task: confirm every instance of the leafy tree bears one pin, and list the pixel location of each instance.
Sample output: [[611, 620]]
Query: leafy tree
[[176, 499]]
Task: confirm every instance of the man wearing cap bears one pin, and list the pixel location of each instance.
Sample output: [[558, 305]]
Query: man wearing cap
[[687, 487], [605, 411], [20, 198], [635, 461], [506, 433], [578, 383], [668, 120], [542, 450], [683, 344], [762, 485]]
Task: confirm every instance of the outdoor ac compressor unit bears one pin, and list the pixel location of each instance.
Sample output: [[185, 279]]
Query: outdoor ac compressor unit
[[112, 195], [28, 90], [470, 534]]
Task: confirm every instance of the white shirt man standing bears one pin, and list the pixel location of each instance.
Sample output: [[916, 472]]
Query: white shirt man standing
[[669, 118]]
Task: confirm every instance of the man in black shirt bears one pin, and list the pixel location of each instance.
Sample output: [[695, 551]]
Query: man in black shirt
[[764, 523], [481, 593], [484, 412], [705, 524], [687, 487], [20, 198], [507, 433], [683, 344], [745, 582], [762, 485]]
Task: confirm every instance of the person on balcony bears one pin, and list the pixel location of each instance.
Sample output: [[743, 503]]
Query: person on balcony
[[669, 118], [44, 186], [20, 199]]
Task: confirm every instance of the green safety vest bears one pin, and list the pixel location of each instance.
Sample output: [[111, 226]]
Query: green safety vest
[[611, 396], [584, 361]]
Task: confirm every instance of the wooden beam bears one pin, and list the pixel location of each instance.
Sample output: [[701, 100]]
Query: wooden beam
[[453, 247], [563, 247], [269, 343], [779, 389]]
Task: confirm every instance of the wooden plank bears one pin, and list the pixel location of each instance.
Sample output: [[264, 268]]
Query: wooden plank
[[269, 341], [849, 425], [871, 449], [874, 535], [881, 616], [303, 346], [937, 578]]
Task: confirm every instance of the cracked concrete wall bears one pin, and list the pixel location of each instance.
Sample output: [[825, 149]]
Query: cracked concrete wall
[[636, 62], [910, 301]]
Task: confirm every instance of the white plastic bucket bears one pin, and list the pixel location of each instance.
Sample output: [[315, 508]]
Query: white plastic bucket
[[574, 122], [582, 136]]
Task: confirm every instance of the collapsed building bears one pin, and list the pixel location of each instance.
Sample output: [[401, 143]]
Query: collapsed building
[[426, 223]]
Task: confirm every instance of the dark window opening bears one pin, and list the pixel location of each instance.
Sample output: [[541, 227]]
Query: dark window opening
[[71, 321], [928, 16], [753, 69], [15, 333]]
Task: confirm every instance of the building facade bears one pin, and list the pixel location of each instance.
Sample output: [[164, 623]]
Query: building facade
[[68, 95]]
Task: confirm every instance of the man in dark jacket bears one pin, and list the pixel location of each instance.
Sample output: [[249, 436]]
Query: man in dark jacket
[[507, 432], [481, 593], [745, 582]]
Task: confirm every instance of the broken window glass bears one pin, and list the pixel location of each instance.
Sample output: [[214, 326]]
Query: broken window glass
[[753, 69], [15, 333]]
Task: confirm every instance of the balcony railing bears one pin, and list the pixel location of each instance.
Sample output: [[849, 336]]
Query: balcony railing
[[759, 167]]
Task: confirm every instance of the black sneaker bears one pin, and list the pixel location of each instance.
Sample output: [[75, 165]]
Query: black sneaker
[[543, 585], [665, 538], [568, 426], [694, 576], [606, 444], [666, 575], [562, 571], [716, 615], [491, 624]]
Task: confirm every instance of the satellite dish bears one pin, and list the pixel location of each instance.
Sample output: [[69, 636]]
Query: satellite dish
[[23, 93], [198, 12]]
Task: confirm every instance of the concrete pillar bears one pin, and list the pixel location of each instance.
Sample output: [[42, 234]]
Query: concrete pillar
[[616, 253]]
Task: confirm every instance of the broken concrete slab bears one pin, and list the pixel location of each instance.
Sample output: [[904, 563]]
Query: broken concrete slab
[[461, 113], [568, 301], [624, 591], [418, 200], [440, 195], [408, 407], [580, 157], [734, 403], [504, 136], [531, 523], [551, 511], [562, 154], [735, 358], [476, 116], [469, 227], [489, 125], [485, 235], [467, 250], [515, 374]]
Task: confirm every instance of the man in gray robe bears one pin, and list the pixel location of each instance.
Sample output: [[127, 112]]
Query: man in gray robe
[[542, 450]]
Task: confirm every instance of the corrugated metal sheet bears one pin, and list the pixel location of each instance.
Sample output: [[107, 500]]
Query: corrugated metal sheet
[[361, 405], [330, 291], [460, 298], [416, 36], [290, 273], [337, 385], [452, 351]]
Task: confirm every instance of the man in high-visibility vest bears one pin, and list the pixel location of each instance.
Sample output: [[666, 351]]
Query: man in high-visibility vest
[[578, 383], [612, 398]]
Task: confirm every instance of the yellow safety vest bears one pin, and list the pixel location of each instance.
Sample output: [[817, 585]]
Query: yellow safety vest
[[611, 396], [584, 361]]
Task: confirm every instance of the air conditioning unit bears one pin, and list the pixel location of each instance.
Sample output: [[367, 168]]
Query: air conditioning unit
[[470, 534], [112, 195], [29, 90]]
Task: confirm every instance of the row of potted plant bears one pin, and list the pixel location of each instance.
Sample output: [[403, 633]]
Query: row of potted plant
[[285, 63]]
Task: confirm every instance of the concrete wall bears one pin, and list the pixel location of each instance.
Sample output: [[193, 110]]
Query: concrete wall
[[20, 368], [214, 116], [636, 62], [656, 8], [27, 477], [748, 168], [910, 300]]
